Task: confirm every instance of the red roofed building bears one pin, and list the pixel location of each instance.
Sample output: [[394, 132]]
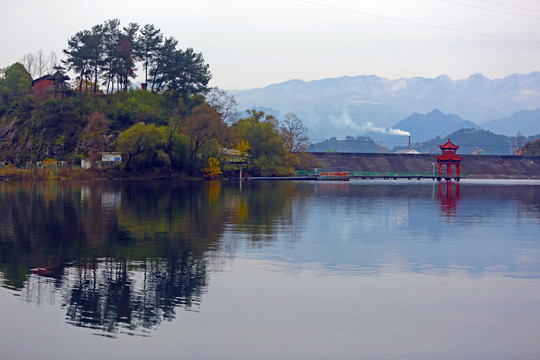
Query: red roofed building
[[48, 84], [449, 158]]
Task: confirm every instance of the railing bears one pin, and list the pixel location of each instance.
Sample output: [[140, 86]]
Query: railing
[[391, 174], [304, 173], [388, 174], [339, 169]]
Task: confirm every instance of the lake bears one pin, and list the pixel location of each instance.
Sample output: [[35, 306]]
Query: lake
[[270, 270]]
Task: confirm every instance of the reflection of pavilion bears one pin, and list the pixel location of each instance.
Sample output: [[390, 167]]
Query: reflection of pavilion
[[449, 197]]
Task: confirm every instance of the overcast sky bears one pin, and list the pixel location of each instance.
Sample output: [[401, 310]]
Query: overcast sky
[[254, 43]]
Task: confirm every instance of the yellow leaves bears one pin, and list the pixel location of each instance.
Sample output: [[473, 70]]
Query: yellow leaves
[[243, 147], [213, 170], [213, 189]]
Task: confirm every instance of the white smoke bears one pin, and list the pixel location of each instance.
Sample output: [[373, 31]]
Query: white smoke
[[370, 127], [344, 122]]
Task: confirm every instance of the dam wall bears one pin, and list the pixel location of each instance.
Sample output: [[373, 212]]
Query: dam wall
[[473, 166]]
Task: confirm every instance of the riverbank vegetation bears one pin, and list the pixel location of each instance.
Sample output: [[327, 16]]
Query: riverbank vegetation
[[172, 124]]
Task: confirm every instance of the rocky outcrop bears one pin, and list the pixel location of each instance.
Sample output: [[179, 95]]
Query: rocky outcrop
[[13, 139]]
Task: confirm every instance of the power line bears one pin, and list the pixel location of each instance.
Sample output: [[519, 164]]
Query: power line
[[509, 6], [418, 23], [490, 9]]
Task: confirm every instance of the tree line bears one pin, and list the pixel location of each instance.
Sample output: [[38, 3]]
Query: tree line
[[178, 125], [107, 55]]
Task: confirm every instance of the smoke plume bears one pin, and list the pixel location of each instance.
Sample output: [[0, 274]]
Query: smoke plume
[[369, 127]]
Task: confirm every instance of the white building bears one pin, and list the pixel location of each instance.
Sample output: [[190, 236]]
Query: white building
[[112, 157]]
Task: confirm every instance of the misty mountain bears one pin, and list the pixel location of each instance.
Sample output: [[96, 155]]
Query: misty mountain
[[471, 141], [426, 126], [526, 121], [345, 106], [360, 144], [421, 127]]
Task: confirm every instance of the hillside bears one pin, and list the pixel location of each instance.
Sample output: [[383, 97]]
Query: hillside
[[531, 148], [526, 122], [343, 106]]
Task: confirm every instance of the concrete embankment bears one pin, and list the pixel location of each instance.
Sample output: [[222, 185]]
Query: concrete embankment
[[473, 166]]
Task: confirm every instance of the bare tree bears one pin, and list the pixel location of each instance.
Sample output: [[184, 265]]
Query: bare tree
[[520, 139], [28, 61], [294, 134], [39, 64], [52, 62], [223, 103]]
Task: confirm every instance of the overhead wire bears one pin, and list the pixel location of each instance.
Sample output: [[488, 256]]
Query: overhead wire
[[509, 6], [490, 9], [500, 37]]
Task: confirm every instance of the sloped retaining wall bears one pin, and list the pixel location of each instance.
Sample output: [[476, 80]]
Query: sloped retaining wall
[[479, 167]]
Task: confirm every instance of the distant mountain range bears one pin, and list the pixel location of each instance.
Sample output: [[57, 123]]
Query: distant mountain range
[[362, 105], [469, 140], [526, 121]]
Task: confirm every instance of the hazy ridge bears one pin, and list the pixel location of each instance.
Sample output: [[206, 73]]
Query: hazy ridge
[[355, 105]]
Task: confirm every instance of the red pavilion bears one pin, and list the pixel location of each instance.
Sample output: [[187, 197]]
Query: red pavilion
[[449, 158]]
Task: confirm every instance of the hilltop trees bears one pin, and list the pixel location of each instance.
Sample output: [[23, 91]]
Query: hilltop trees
[[150, 40], [107, 54], [15, 85], [15, 81]]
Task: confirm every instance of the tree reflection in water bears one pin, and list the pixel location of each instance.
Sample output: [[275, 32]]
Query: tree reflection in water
[[133, 297], [123, 257]]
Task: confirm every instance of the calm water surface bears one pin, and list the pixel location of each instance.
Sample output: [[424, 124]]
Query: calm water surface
[[270, 270]]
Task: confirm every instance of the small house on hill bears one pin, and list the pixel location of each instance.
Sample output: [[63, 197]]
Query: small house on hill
[[49, 84]]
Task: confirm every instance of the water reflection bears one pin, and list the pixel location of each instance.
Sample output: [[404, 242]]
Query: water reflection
[[124, 257], [132, 297], [449, 193]]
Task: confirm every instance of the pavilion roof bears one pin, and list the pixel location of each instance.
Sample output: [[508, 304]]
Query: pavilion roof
[[449, 145]]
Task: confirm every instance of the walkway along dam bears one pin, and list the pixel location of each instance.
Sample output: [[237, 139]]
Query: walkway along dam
[[472, 166]]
